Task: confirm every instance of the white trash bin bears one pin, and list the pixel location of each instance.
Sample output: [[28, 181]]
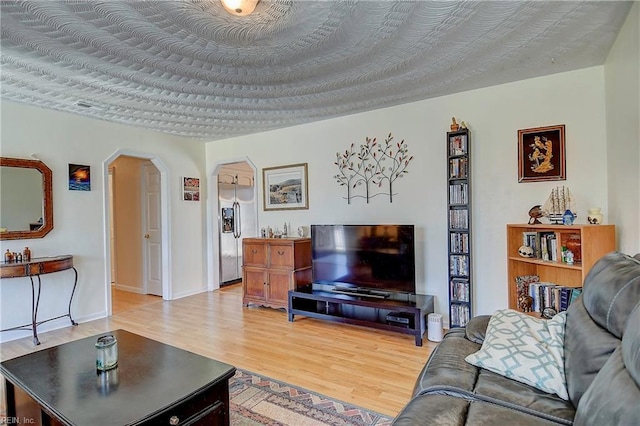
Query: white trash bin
[[434, 327]]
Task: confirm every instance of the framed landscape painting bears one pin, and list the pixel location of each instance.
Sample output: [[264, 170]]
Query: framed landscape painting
[[541, 155], [285, 187]]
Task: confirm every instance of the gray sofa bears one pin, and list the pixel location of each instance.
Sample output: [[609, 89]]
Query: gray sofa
[[602, 365]]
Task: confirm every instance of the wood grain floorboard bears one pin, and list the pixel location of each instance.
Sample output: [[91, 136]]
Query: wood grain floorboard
[[375, 369]]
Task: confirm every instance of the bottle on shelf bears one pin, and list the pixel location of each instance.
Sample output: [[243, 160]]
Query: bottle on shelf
[[26, 254], [8, 256]]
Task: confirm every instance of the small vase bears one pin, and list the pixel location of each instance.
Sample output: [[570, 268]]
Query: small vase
[[595, 216]]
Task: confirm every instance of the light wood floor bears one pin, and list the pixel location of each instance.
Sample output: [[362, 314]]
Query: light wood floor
[[125, 300], [372, 368]]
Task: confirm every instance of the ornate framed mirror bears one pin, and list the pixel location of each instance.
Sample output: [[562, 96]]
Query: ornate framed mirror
[[26, 210]]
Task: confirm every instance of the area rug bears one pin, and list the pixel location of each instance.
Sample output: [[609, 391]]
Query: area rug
[[258, 400]]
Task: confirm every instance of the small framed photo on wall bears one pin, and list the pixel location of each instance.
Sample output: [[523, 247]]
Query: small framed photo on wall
[[79, 177], [541, 154], [190, 189]]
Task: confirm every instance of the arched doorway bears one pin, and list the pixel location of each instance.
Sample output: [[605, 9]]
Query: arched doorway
[[147, 232]]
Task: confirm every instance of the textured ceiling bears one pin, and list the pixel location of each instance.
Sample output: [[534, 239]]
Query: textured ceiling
[[189, 68]]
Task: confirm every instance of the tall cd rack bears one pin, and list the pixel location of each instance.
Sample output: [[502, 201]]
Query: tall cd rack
[[459, 227]]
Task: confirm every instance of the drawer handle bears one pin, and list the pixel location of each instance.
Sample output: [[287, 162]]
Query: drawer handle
[[174, 420], [281, 253], [254, 251]]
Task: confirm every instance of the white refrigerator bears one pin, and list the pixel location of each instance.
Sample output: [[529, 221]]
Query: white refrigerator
[[237, 215]]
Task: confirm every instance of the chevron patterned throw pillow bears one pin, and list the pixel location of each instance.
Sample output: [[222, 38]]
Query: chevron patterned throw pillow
[[529, 350]]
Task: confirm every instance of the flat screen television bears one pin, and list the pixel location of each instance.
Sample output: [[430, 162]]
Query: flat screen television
[[367, 257]]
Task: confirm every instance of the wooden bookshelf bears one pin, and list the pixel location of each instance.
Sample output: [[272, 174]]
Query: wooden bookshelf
[[596, 241]]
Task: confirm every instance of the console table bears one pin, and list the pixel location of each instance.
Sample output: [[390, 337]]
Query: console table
[[382, 313], [34, 268], [153, 384]]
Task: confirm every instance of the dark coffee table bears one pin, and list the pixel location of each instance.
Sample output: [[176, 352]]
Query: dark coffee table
[[154, 383]]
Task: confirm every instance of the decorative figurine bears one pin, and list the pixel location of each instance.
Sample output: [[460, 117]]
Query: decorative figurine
[[454, 125], [525, 303], [535, 213], [463, 125], [567, 217], [569, 257], [525, 251], [560, 200]]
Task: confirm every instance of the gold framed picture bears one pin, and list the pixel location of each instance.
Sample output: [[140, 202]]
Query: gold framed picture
[[541, 154]]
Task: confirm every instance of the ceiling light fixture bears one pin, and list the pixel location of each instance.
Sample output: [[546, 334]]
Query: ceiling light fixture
[[240, 7]]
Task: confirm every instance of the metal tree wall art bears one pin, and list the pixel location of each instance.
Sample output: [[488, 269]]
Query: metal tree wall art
[[375, 164]]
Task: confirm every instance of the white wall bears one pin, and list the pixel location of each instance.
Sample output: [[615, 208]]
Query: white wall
[[79, 220], [622, 82], [494, 116]]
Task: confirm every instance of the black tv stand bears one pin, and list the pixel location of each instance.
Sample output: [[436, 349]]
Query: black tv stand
[[361, 292], [400, 313]]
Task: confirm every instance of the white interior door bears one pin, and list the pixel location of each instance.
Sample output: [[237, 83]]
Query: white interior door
[[152, 230]]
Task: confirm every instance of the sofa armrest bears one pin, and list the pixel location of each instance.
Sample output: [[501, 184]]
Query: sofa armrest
[[476, 328]]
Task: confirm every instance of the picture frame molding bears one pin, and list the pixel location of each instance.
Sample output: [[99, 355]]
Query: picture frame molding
[[276, 172], [526, 137]]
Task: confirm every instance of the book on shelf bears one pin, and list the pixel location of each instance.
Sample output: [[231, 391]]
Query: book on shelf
[[532, 239], [552, 243], [459, 265], [459, 242], [458, 145], [458, 168], [459, 218], [458, 193], [574, 294], [547, 245], [460, 290], [543, 243], [459, 314], [527, 238], [551, 295], [565, 298]]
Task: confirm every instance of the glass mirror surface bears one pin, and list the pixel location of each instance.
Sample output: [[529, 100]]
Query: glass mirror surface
[[26, 209], [21, 207]]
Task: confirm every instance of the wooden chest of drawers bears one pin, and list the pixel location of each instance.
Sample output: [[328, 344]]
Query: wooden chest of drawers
[[273, 266]]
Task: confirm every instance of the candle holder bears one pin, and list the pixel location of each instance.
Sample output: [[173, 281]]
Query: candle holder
[[106, 352]]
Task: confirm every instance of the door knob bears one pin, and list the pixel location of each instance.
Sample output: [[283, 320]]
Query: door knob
[[146, 236]]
